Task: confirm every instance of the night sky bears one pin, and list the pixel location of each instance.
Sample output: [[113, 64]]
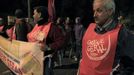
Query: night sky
[[64, 8], [9, 6]]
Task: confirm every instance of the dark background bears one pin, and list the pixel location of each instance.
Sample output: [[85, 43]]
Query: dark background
[[64, 8]]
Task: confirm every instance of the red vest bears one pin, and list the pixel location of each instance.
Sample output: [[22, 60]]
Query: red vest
[[1, 27], [39, 33], [98, 51], [11, 33]]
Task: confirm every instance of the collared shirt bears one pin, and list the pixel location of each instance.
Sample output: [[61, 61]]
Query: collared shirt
[[123, 49], [106, 27]]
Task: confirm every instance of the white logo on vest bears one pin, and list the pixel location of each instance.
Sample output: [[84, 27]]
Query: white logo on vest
[[96, 49]]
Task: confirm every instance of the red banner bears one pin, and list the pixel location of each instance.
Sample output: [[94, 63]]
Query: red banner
[[51, 10]]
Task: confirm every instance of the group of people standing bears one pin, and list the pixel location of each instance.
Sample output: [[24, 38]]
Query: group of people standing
[[45, 33], [49, 35], [104, 45]]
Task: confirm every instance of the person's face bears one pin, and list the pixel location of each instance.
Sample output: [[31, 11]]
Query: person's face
[[77, 21], [58, 20], [36, 16], [1, 21], [67, 20], [101, 14]]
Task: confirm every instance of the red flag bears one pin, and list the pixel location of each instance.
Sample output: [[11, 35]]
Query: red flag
[[51, 10]]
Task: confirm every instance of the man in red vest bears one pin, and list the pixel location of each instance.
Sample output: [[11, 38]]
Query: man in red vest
[[103, 43], [48, 36]]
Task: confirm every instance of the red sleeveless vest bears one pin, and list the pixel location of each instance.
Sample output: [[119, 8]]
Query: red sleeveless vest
[[39, 33], [98, 51], [1, 27], [11, 33]]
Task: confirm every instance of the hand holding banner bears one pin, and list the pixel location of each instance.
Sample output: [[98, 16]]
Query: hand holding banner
[[22, 58]]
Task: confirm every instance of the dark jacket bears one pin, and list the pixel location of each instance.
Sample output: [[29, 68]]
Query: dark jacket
[[124, 50], [21, 30], [55, 38]]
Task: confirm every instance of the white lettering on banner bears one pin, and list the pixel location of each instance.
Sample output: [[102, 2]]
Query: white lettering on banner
[[96, 49], [11, 64], [23, 58]]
